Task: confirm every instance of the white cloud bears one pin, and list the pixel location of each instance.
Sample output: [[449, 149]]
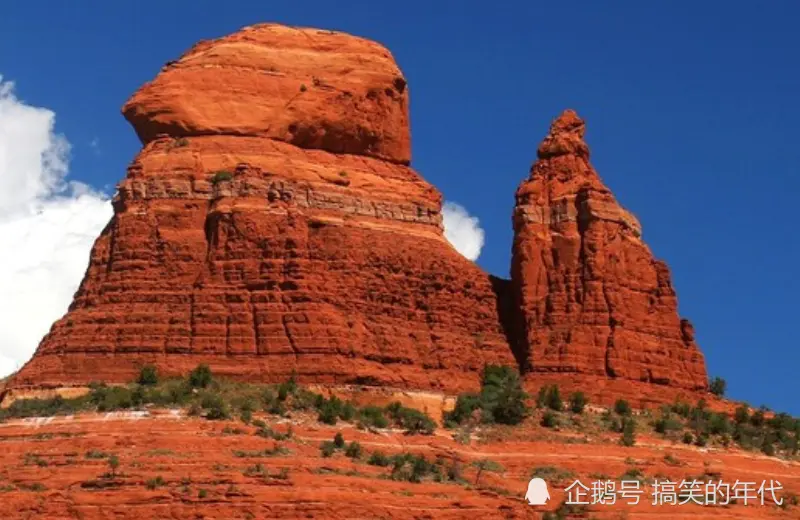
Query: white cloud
[[47, 227], [462, 230]]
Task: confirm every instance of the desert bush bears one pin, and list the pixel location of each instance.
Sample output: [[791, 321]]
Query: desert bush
[[486, 465], [378, 458], [154, 483], [413, 420], [338, 440], [201, 377], [552, 474], [327, 448], [216, 409], [549, 419], [550, 397], [501, 399], [221, 176], [628, 432], [353, 450], [148, 376], [577, 402], [372, 417], [622, 407], [717, 386], [667, 424]]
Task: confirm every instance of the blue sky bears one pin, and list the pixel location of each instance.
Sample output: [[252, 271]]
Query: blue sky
[[691, 110]]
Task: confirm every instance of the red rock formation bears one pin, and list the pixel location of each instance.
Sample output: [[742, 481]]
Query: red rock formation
[[593, 299], [316, 250], [271, 224]]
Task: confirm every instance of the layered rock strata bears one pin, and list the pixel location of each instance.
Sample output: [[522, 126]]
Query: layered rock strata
[[592, 298], [271, 225]]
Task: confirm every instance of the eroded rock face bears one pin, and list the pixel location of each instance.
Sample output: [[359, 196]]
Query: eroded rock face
[[593, 300], [267, 229], [271, 226]]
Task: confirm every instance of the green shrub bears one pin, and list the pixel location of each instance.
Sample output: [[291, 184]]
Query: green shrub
[[719, 424], [628, 432], [552, 398], [666, 424], [413, 420], [502, 395], [501, 400], [622, 407], [486, 465], [717, 386], [549, 419], [338, 440], [577, 402], [372, 416], [330, 410], [379, 459], [353, 450], [688, 438], [153, 483], [201, 377], [221, 176], [552, 474], [327, 448], [215, 407], [148, 376], [246, 416], [113, 464], [413, 468], [681, 408]]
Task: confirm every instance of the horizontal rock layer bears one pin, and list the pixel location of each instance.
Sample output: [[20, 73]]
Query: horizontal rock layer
[[330, 266]]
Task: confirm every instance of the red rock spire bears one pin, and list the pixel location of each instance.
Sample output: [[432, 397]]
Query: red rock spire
[[593, 299]]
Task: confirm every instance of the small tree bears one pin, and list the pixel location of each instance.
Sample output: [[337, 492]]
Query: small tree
[[622, 407], [113, 465], [486, 465], [338, 440], [200, 377], [717, 386], [353, 450], [148, 376], [549, 419], [554, 399], [628, 432], [577, 402]]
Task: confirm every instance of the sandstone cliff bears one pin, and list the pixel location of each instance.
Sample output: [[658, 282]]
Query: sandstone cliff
[[272, 225]]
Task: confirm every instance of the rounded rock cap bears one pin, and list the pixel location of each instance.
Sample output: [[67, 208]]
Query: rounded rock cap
[[313, 88]]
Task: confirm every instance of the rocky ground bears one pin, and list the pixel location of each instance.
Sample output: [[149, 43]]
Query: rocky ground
[[164, 464]]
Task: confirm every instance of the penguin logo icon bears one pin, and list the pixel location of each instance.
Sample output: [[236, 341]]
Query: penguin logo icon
[[537, 494]]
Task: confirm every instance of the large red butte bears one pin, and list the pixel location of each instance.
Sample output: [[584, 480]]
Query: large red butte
[[271, 225]]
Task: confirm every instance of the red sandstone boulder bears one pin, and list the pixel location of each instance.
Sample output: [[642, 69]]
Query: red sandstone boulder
[[309, 87], [593, 299]]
